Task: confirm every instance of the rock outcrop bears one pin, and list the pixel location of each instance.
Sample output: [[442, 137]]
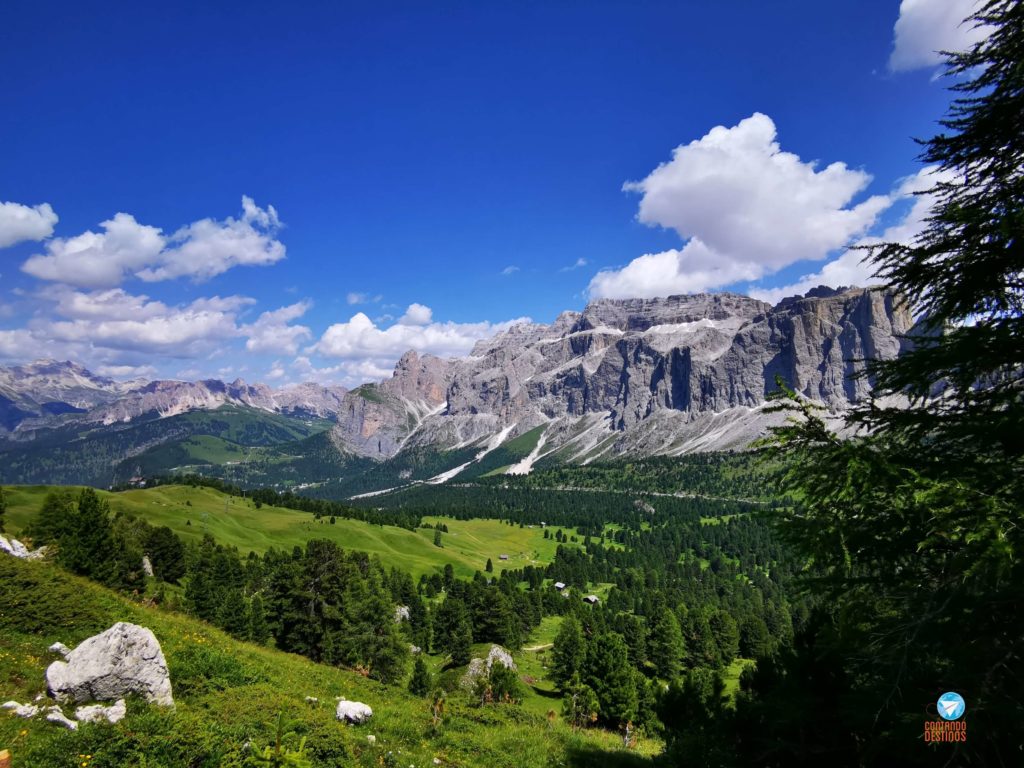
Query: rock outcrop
[[641, 376], [354, 712], [15, 548], [126, 659], [479, 668], [94, 713]]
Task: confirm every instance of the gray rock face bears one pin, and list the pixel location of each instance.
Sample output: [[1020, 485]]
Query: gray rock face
[[666, 375], [354, 712], [126, 659], [377, 419], [479, 668]]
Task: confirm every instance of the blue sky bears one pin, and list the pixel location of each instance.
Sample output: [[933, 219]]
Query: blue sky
[[441, 168]]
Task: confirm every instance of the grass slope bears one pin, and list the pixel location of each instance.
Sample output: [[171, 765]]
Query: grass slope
[[191, 512], [228, 692]]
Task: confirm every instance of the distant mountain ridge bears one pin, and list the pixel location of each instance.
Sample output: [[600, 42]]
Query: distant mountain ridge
[[634, 377], [49, 393]]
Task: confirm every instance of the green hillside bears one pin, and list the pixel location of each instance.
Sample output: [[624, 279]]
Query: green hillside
[[229, 693], [190, 512], [102, 455]]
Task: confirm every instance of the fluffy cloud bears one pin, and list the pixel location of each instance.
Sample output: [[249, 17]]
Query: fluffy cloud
[[21, 222], [416, 314], [126, 248], [850, 268], [926, 27], [360, 339], [511, 269], [746, 209], [272, 333]]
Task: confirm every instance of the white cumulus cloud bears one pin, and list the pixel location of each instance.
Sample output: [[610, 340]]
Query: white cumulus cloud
[[272, 331], [746, 209], [850, 268], [926, 27], [125, 248], [19, 223], [362, 340]]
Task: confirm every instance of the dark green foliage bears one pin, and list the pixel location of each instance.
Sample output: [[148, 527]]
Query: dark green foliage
[[54, 517], [453, 631], [166, 553], [420, 683], [665, 645], [608, 672], [500, 686], [914, 527], [437, 538], [580, 705], [258, 629], [489, 568], [697, 722], [3, 509], [569, 652], [726, 634]]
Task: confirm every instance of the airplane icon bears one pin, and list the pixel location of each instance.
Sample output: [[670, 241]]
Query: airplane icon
[[949, 706]]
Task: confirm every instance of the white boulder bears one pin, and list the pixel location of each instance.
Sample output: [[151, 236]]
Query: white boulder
[[17, 549], [147, 566], [125, 659], [54, 715], [95, 712], [354, 712], [402, 613], [20, 710]]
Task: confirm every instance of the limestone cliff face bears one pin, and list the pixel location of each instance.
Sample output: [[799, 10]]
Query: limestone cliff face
[[376, 419], [642, 376]]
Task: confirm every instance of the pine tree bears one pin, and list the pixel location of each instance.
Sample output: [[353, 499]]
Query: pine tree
[[569, 651], [233, 614], [726, 634], [420, 683], [609, 674], [665, 645], [914, 526], [579, 705], [437, 538], [259, 630], [489, 568]]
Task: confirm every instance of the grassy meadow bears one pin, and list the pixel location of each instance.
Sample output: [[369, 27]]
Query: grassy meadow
[[234, 521], [229, 693]]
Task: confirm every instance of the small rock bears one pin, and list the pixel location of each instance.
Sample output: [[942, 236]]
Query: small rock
[[20, 710], [354, 712], [95, 712], [371, 739], [402, 613], [147, 566], [60, 648], [414, 649], [312, 700], [54, 715], [123, 660]]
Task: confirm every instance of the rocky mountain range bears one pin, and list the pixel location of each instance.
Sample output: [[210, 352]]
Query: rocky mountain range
[[622, 377], [639, 376], [48, 393]]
